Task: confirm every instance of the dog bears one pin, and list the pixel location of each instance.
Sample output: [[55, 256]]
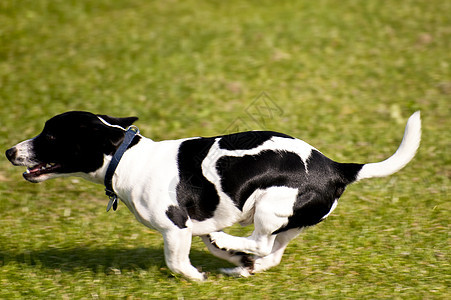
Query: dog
[[199, 186]]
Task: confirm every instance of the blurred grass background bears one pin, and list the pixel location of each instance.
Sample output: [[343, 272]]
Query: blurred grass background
[[343, 76]]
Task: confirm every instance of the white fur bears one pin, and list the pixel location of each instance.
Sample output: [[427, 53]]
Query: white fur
[[24, 154], [334, 205], [273, 259]]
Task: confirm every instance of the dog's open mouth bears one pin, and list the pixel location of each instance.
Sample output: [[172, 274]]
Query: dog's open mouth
[[41, 169]]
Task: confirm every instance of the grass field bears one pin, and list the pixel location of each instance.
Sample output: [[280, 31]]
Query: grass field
[[343, 76]]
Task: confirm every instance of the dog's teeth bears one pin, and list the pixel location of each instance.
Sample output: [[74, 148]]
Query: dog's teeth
[[48, 166], [28, 171]]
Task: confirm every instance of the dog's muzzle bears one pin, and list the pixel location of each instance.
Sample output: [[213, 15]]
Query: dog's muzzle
[[11, 155]]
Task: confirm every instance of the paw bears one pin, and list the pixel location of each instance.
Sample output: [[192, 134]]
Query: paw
[[217, 239], [203, 277], [197, 277], [236, 272], [189, 273]]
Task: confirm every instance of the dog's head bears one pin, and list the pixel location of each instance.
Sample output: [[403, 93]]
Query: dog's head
[[70, 143]]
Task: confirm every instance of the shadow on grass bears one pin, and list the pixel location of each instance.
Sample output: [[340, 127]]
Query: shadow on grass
[[104, 260]]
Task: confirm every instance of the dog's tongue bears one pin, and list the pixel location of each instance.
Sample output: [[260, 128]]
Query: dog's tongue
[[43, 168], [35, 169]]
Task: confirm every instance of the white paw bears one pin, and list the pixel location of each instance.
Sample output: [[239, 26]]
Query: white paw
[[236, 272], [197, 276], [203, 277], [218, 238]]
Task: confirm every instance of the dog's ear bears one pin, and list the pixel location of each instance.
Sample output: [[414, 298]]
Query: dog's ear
[[112, 137], [123, 122]]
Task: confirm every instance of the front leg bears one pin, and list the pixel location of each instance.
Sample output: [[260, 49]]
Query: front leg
[[245, 262], [256, 244], [177, 245]]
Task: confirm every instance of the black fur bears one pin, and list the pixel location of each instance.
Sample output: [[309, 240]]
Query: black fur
[[241, 176], [247, 140], [177, 215], [195, 194]]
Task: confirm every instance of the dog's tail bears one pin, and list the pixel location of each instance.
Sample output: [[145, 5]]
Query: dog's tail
[[404, 154]]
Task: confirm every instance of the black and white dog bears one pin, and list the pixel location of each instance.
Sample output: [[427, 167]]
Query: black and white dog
[[199, 186]]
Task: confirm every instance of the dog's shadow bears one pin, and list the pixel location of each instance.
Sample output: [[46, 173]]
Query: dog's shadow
[[106, 260]]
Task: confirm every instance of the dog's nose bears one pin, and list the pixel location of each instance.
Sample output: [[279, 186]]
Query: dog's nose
[[11, 154]]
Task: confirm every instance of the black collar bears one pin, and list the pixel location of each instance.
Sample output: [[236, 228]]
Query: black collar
[[131, 132]]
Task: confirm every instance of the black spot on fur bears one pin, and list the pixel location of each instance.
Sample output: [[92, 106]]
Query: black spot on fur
[[247, 140], [177, 215], [241, 176], [194, 192]]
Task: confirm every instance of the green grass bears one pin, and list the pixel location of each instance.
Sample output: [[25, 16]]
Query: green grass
[[344, 75]]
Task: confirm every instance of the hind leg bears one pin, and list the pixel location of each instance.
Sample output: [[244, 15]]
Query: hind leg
[[272, 209], [280, 244]]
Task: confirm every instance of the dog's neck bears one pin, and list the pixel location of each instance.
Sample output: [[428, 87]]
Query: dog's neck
[[122, 174], [98, 176]]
